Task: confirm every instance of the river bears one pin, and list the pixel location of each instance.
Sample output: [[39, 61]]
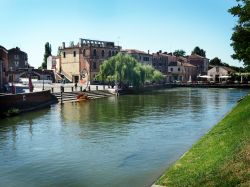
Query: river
[[125, 141]]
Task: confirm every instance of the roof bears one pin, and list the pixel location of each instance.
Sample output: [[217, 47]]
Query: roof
[[16, 49], [1, 47], [188, 64], [228, 68], [224, 67]]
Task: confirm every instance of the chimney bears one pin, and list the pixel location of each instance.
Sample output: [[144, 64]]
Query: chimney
[[148, 52], [63, 45]]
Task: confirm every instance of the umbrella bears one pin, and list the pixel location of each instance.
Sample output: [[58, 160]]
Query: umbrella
[[205, 76], [224, 76]]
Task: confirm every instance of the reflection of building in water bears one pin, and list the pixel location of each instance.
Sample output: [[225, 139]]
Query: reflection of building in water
[[85, 55]]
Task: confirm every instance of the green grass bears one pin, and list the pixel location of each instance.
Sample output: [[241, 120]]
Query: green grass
[[220, 158]]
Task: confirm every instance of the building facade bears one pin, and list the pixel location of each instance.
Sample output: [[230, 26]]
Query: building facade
[[160, 62], [220, 71], [140, 56], [84, 59], [3, 66], [200, 62], [181, 72], [17, 59]]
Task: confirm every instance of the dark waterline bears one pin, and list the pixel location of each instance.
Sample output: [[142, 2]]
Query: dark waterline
[[127, 141]]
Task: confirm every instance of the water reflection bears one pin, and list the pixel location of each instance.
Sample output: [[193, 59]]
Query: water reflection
[[124, 141]]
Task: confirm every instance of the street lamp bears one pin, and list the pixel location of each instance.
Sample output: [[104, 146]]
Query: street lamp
[[43, 78], [12, 80]]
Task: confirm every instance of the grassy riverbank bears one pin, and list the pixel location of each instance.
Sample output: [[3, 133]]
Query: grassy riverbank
[[220, 158]]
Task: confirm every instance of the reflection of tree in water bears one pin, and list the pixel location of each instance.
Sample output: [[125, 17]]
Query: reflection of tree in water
[[126, 109]]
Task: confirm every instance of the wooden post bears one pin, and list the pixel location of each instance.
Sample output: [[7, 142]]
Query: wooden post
[[61, 97]]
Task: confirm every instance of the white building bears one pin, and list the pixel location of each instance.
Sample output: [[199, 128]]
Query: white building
[[220, 72]]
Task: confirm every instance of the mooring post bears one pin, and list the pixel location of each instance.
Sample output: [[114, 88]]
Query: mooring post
[[61, 97], [89, 88], [81, 88], [96, 87]]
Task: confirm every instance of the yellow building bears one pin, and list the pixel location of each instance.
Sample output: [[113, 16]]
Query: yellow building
[[85, 58]]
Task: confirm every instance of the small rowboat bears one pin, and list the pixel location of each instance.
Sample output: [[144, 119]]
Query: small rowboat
[[82, 97]]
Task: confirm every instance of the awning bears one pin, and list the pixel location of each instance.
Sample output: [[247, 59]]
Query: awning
[[205, 76], [224, 77]]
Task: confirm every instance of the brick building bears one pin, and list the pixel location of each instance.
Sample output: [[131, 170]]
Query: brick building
[[160, 61], [17, 59], [3, 66], [200, 62], [87, 55]]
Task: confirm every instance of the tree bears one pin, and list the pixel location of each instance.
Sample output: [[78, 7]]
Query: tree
[[241, 36], [179, 53], [199, 51], [47, 53], [215, 61], [127, 71]]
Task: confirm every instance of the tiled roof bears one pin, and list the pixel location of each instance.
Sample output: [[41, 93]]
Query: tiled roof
[[228, 68], [188, 64]]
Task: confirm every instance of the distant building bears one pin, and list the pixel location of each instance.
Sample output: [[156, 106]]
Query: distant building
[[140, 56], [53, 63], [3, 66], [200, 62], [217, 72], [87, 55], [181, 71], [17, 59], [160, 62]]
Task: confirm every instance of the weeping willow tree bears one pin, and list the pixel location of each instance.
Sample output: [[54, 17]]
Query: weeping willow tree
[[127, 71]]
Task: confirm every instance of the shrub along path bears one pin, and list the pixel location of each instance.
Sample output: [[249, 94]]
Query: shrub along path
[[220, 158]]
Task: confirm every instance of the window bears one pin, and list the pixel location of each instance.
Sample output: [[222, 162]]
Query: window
[[171, 69], [64, 54], [16, 57], [116, 52], [145, 58], [16, 63], [103, 53], [179, 69], [84, 52], [94, 65], [109, 53], [74, 53], [94, 52], [113, 53]]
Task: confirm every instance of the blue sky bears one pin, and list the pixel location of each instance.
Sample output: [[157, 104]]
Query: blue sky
[[152, 25]]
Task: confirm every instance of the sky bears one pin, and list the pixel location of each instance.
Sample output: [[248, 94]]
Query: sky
[[153, 25]]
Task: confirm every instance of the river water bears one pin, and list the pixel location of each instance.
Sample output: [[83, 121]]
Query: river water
[[112, 142]]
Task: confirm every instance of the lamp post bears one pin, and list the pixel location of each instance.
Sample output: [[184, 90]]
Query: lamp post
[[43, 78], [12, 80]]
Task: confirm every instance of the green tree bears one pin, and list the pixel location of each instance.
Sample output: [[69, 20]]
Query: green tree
[[241, 36], [215, 61], [199, 51], [127, 71], [47, 53], [179, 53]]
